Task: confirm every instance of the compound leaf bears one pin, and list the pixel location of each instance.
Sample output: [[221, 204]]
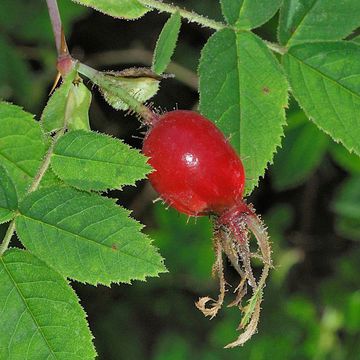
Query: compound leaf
[[126, 9], [244, 91], [22, 146], [8, 197], [166, 43], [325, 79], [93, 161], [248, 14], [41, 317], [316, 20], [86, 237]]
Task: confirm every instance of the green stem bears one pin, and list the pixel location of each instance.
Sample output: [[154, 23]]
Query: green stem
[[201, 20], [42, 170], [101, 80], [189, 15]]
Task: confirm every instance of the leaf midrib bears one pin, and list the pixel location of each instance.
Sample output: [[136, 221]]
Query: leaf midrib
[[27, 307], [325, 76], [87, 239], [300, 23], [97, 161]]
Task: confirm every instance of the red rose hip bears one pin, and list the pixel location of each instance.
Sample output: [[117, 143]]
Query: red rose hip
[[196, 170]]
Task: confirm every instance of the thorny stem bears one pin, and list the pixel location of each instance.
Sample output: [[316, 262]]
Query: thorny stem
[[41, 172], [55, 22], [99, 79], [202, 20]]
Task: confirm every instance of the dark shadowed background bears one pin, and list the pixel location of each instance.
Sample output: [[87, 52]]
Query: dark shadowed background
[[310, 200]]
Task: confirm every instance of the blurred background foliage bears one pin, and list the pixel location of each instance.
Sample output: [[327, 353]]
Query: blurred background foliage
[[310, 199]]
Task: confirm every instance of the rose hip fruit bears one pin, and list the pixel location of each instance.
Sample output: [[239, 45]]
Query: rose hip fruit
[[197, 172]]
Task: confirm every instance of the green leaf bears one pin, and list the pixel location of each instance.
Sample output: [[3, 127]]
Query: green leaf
[[347, 207], [126, 9], [244, 91], [315, 20], [325, 79], [140, 83], [15, 78], [22, 146], [8, 197], [166, 44], [356, 39], [41, 317], [349, 162], [248, 14], [302, 150], [79, 118], [86, 237], [53, 116], [347, 202], [92, 161]]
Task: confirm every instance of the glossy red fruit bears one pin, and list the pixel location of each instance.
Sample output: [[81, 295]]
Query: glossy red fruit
[[196, 169]]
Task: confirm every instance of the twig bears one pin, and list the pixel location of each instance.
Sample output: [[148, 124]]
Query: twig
[[55, 22]]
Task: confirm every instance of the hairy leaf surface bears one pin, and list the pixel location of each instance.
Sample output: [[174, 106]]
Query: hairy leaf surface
[[166, 43], [86, 237], [93, 161], [244, 91], [41, 317], [314, 20], [325, 79], [126, 9], [22, 146], [248, 14]]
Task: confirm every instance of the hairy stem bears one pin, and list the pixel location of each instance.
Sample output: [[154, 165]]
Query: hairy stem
[[100, 79], [189, 15], [201, 20], [41, 172], [55, 22]]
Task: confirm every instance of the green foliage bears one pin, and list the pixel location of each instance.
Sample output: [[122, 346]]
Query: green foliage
[[70, 103], [243, 90], [141, 84], [195, 240], [334, 69], [315, 20], [349, 162], [166, 43], [8, 197], [14, 73], [41, 317], [125, 9], [92, 161], [17, 18], [22, 146], [347, 207], [100, 242], [302, 150], [248, 14], [79, 119]]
